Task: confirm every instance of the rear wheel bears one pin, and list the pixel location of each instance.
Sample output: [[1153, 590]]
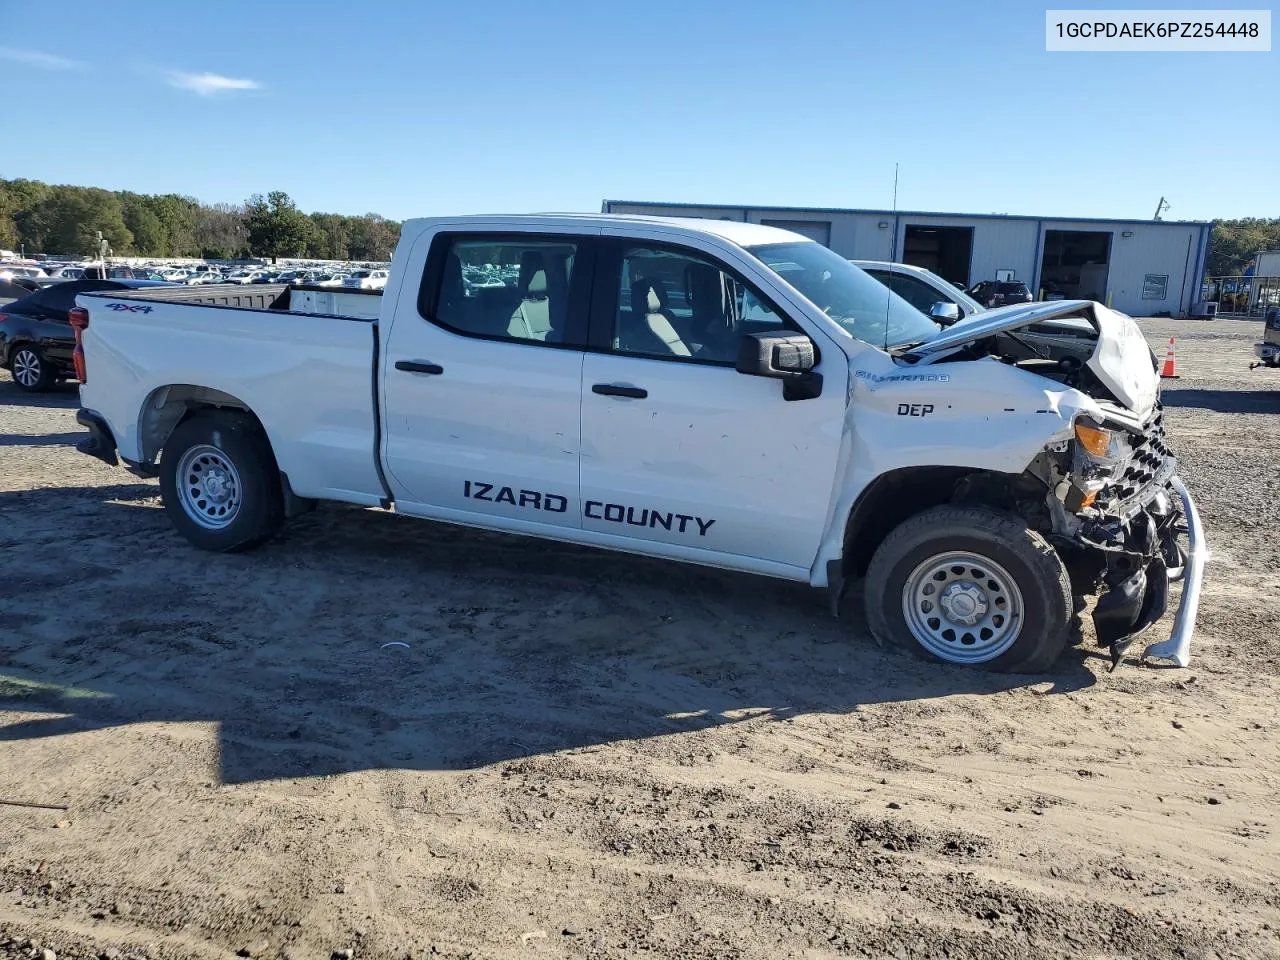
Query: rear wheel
[[220, 483], [970, 586], [30, 370]]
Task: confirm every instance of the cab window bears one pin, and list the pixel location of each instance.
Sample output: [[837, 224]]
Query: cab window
[[505, 288], [677, 305]]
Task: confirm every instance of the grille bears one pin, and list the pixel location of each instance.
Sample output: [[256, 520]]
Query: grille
[[1150, 461]]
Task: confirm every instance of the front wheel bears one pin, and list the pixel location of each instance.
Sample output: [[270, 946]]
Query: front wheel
[[971, 586], [220, 483]]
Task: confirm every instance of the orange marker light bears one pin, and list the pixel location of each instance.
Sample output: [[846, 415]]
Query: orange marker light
[[1094, 439]]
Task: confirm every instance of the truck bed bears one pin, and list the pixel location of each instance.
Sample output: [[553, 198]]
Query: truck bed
[[309, 377], [326, 301]]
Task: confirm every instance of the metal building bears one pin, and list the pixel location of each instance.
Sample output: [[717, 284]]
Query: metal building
[[1140, 267]]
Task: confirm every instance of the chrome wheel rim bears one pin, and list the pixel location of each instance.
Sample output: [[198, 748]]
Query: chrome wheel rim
[[26, 368], [962, 607], [209, 487]]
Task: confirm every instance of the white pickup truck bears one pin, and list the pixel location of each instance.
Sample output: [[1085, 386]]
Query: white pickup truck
[[716, 392]]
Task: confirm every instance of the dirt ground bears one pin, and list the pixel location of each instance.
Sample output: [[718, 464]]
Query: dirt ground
[[589, 755]]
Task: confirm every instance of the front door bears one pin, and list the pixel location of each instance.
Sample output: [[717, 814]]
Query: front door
[[677, 446], [481, 379]]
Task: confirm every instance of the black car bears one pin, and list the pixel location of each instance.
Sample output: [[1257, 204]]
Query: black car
[[1000, 293], [12, 291], [36, 338]]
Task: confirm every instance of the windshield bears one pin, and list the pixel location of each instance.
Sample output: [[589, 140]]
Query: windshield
[[863, 306]]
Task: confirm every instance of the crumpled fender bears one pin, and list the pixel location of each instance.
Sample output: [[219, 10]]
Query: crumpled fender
[[981, 414]]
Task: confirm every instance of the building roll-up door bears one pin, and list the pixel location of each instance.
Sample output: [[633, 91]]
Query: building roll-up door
[[819, 230]]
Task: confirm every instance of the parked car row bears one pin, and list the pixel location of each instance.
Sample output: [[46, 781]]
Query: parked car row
[[34, 275]]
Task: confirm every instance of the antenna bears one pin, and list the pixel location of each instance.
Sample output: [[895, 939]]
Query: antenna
[[888, 299], [1162, 206]]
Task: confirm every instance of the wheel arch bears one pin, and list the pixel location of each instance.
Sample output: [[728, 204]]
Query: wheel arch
[[167, 406], [13, 346], [897, 495]]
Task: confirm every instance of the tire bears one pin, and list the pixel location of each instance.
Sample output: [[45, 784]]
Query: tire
[[939, 554], [31, 371], [220, 483]]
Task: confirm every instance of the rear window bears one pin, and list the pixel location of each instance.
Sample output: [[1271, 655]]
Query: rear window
[[504, 288], [61, 297], [1014, 286]]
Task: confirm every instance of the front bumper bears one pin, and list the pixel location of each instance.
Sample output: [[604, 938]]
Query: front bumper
[[1178, 647], [1268, 354], [1141, 557]]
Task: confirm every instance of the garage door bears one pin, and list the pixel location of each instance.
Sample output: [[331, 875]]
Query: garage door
[[819, 230]]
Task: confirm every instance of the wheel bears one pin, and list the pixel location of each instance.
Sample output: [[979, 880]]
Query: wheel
[[30, 370], [971, 586], [220, 483]]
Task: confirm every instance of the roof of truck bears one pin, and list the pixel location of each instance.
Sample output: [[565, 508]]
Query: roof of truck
[[735, 231]]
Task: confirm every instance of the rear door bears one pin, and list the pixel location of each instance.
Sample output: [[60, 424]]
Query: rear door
[[482, 375], [678, 448]]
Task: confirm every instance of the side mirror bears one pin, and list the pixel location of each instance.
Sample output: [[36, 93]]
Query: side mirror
[[781, 355], [944, 312]]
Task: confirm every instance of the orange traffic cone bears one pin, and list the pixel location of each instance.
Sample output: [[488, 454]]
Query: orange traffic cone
[[1170, 369]]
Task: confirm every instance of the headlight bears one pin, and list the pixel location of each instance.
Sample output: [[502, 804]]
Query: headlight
[[1098, 442]]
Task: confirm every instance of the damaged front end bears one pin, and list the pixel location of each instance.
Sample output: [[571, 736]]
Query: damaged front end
[[1120, 514]]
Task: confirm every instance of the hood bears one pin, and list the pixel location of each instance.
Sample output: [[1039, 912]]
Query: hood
[[1121, 359]]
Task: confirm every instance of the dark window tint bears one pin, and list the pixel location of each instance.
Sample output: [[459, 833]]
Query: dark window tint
[[1015, 286], [679, 306], [911, 289], [61, 297], [508, 289]]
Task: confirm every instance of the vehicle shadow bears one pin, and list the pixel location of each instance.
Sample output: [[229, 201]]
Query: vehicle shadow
[[1223, 401], [63, 395], [362, 639], [42, 439]]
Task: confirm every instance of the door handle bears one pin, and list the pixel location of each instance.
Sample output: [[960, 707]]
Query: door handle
[[419, 366], [614, 390]]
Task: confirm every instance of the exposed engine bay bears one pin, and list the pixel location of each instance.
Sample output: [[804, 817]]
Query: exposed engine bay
[[1059, 351]]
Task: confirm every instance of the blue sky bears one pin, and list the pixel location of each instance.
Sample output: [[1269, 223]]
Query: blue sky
[[418, 109]]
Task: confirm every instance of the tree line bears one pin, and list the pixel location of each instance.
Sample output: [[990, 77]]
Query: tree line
[[59, 219], [1234, 242], [46, 218]]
